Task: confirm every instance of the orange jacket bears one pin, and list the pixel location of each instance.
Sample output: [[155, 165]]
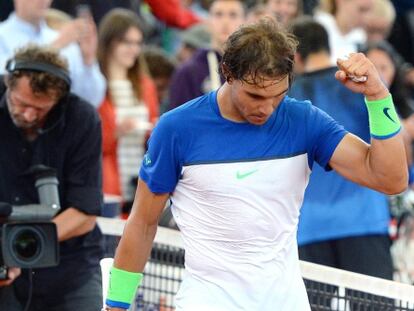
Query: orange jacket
[[111, 179]]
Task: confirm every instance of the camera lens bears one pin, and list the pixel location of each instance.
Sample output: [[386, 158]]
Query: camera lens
[[29, 245], [26, 244]]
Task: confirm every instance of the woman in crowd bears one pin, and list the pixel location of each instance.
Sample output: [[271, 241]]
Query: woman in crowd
[[130, 108]]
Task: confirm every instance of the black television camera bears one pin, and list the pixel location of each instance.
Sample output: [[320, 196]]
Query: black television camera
[[28, 236]]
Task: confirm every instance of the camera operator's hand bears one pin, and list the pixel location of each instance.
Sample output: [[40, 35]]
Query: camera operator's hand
[[12, 274]]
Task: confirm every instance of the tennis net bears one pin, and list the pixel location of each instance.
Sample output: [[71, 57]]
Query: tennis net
[[328, 288]]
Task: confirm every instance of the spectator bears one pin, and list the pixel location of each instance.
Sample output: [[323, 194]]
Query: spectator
[[344, 21], [199, 75], [130, 108], [379, 21], [342, 224], [77, 42], [42, 124], [284, 10], [161, 69], [192, 39], [257, 12]]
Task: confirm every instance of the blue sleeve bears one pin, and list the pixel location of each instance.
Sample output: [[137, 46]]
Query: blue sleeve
[[324, 136], [411, 174], [161, 166]]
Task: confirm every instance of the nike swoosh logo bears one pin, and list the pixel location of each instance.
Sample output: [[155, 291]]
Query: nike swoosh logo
[[385, 110], [240, 175]]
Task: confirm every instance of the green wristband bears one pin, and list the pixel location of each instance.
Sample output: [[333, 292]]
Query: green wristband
[[122, 287], [383, 119]]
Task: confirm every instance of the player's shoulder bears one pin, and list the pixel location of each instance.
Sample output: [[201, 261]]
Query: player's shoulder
[[293, 105], [186, 115], [300, 112]]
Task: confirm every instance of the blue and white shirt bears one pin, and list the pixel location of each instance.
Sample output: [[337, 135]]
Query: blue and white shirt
[[236, 191]]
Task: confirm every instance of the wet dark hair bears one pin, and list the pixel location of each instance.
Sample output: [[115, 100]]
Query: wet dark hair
[[259, 52]]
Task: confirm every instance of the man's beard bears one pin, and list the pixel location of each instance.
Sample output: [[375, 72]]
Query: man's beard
[[23, 124]]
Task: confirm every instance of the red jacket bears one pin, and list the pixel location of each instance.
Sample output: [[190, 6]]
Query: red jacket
[[173, 13], [111, 178]]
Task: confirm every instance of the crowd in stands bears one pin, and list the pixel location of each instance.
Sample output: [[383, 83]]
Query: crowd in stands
[[135, 60]]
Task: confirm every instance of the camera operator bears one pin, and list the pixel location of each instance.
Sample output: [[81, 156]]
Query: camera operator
[[42, 124]]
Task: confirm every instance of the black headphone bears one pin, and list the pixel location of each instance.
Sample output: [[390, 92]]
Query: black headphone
[[15, 65]]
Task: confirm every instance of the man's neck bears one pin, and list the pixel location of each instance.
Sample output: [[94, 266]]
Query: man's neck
[[342, 25], [31, 134], [216, 46], [317, 61], [35, 22], [227, 110]]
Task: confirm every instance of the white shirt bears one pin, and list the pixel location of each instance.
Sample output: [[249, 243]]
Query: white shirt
[[130, 146], [87, 81], [341, 45], [248, 229]]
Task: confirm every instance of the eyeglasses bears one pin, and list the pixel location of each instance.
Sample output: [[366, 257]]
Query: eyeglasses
[[131, 43]]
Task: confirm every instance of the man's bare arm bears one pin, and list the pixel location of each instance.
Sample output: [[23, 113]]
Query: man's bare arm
[[381, 166], [72, 222], [136, 242]]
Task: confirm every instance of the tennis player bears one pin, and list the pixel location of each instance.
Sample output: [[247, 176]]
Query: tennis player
[[235, 164]]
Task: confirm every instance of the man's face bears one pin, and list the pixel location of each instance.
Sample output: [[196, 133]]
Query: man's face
[[256, 103], [355, 12], [27, 109], [283, 10], [32, 10], [225, 18], [377, 29]]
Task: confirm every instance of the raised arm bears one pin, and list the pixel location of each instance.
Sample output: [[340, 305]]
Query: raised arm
[[382, 165], [135, 245]]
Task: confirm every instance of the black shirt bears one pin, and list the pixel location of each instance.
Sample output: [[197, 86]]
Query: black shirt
[[70, 142]]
